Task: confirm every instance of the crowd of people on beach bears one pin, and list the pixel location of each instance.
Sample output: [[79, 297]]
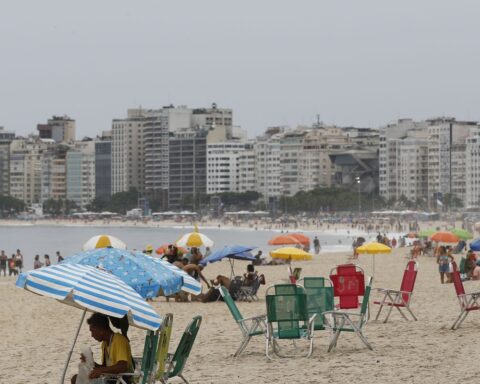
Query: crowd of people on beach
[[14, 264]]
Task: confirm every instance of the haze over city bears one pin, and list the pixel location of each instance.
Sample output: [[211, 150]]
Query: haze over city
[[273, 62]]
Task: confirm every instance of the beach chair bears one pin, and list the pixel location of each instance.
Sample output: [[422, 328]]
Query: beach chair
[[350, 314], [249, 293], [175, 363], [319, 298], [401, 298], [250, 327], [468, 301], [152, 362], [288, 318], [235, 285], [294, 275]]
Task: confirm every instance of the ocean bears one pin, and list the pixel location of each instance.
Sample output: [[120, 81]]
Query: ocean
[[44, 239]]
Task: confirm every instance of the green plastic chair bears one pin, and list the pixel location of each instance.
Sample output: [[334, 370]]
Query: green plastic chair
[[288, 318], [319, 298], [250, 327], [176, 361], [343, 321]]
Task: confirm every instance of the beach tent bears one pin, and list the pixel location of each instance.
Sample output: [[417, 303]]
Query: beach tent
[[72, 284]]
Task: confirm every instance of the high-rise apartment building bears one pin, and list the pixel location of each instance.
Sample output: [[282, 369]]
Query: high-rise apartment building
[[128, 160], [58, 128], [80, 169], [188, 168], [472, 171], [267, 164], [5, 139], [103, 166]]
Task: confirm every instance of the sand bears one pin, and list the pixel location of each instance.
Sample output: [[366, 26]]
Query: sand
[[36, 334]]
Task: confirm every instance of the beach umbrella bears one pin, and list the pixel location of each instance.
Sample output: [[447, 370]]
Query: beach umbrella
[[426, 232], [90, 289], [194, 239], [164, 249], [189, 284], [136, 269], [462, 233], [290, 253], [444, 237], [305, 240], [285, 239], [232, 253], [373, 248], [104, 241], [475, 245]]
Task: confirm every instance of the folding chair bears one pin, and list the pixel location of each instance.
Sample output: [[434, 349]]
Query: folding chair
[[249, 293], [319, 298], [250, 327], [468, 301], [401, 298], [294, 275], [348, 285], [287, 317], [175, 362]]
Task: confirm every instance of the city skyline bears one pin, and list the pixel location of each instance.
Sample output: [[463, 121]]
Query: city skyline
[[273, 63]]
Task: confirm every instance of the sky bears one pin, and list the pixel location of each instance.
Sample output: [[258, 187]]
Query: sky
[[274, 62]]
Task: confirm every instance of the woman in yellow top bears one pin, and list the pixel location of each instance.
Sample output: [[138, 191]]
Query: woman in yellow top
[[116, 352]]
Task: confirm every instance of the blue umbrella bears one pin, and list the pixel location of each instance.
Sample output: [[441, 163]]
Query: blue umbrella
[[90, 289], [234, 252], [134, 268], [475, 245]]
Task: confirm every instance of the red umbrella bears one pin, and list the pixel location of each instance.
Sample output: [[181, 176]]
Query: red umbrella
[[445, 237], [284, 240]]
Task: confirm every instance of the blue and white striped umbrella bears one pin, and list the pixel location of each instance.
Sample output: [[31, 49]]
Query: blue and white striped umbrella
[[91, 289], [136, 269]]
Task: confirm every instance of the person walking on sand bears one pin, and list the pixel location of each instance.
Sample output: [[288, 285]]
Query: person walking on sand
[[443, 262], [316, 245], [3, 263]]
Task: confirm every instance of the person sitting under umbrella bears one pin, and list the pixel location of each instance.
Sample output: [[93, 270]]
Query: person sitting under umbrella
[[116, 352]]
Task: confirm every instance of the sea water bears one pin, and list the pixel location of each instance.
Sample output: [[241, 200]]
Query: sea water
[[68, 239]]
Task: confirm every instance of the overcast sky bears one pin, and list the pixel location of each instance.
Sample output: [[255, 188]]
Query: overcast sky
[[357, 62]]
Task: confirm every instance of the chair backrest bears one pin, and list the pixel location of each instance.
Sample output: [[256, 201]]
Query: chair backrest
[[163, 344], [348, 285], [366, 298], [235, 286], [463, 262], [230, 304], [255, 285], [319, 298], [408, 280], [287, 309], [184, 347], [457, 280]]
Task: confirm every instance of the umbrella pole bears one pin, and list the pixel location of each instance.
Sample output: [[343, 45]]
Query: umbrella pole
[[232, 272], [71, 349], [373, 274]]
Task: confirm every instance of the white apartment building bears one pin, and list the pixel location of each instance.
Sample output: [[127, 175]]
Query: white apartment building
[[80, 170], [472, 174], [246, 164], [291, 153], [267, 167], [128, 152], [54, 176], [26, 169], [223, 167], [6, 138]]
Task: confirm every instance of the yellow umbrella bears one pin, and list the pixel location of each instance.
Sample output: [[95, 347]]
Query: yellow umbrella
[[290, 253], [372, 249], [103, 241]]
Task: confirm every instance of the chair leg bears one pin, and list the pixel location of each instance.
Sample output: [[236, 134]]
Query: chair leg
[[242, 346], [411, 313], [359, 333], [460, 320], [379, 311], [401, 312], [183, 378]]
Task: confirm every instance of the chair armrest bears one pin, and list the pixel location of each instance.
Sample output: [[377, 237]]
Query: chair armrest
[[260, 317], [341, 313]]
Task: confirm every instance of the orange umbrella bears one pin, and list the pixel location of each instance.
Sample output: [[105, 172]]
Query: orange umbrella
[[305, 240], [164, 248], [445, 237], [284, 240]]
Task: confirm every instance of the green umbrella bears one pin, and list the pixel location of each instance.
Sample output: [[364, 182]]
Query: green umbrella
[[462, 233], [426, 232]]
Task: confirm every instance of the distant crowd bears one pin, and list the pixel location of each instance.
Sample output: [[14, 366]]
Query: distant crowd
[[14, 263]]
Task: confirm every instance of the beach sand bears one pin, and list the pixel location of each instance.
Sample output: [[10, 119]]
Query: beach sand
[[36, 334]]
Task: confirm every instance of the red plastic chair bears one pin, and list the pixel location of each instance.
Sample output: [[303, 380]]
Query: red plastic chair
[[468, 301], [348, 285], [401, 298]]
